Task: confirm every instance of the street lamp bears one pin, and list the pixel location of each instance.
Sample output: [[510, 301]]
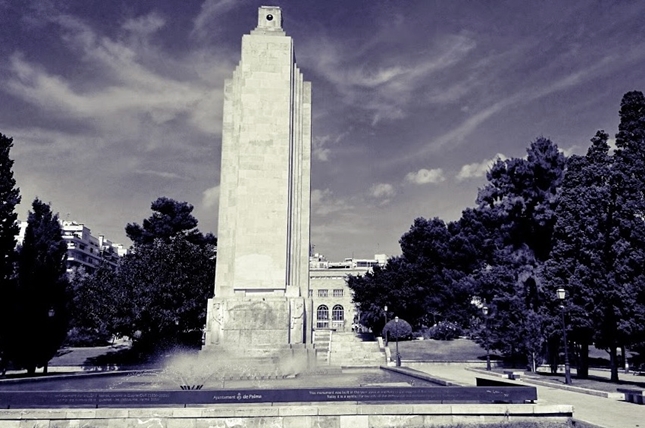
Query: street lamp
[[384, 331], [396, 332], [485, 312], [567, 370]]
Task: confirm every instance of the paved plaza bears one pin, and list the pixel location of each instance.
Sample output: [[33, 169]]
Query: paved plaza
[[600, 411]]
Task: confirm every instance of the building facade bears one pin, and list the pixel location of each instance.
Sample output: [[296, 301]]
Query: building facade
[[333, 306], [87, 251], [84, 250]]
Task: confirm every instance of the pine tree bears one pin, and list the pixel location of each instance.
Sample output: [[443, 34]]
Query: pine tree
[[39, 306], [517, 209], [169, 220], [9, 198], [578, 261], [625, 291]]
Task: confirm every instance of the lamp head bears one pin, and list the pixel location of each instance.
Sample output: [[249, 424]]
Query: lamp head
[[561, 293], [485, 310]]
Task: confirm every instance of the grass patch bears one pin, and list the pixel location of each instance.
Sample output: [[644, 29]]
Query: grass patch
[[596, 383], [441, 350]]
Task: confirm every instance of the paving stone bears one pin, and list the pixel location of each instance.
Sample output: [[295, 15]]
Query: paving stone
[[354, 421], [392, 421]]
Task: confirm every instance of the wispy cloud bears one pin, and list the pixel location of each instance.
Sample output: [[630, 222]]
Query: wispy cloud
[[424, 176], [385, 87], [210, 14], [138, 83], [210, 197], [161, 174], [323, 203], [144, 25], [458, 134], [382, 190], [478, 169]]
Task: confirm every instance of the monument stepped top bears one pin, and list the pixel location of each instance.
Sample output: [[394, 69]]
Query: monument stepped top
[[269, 21]]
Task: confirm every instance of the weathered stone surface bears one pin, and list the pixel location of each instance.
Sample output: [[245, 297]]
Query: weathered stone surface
[[298, 410], [34, 424], [354, 421], [264, 213], [82, 413], [297, 421], [147, 422], [338, 409], [325, 422], [307, 416], [392, 421], [108, 413], [182, 423]]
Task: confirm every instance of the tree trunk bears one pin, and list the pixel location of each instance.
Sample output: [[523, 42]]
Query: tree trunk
[[45, 368], [31, 370], [582, 371], [553, 355], [613, 363]]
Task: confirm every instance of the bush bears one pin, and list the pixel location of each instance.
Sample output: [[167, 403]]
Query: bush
[[403, 329], [80, 337], [444, 330]]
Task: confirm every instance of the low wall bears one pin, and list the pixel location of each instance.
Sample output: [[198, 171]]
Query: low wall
[[328, 415]]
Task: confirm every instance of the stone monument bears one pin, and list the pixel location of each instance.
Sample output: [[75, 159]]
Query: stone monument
[[261, 300]]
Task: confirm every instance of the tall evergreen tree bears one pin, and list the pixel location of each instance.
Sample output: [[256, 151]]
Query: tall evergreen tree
[[39, 303], [625, 293], [580, 255], [9, 198], [517, 210]]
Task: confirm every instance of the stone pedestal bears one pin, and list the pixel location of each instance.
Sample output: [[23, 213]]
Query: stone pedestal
[[267, 329], [253, 322]]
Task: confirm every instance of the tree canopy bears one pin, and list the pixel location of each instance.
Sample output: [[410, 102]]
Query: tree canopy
[[169, 219], [541, 223], [9, 197], [157, 295], [39, 299]]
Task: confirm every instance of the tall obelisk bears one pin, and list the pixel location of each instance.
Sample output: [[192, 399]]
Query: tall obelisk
[[262, 277]]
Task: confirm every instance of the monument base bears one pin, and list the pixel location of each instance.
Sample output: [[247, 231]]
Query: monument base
[[257, 326]]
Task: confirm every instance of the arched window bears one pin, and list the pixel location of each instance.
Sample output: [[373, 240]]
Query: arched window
[[322, 317], [338, 313], [323, 312]]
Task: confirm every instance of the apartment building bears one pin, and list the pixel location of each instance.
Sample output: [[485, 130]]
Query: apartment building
[[84, 250]]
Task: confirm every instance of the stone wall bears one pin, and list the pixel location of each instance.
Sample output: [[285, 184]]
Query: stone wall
[[331, 415]]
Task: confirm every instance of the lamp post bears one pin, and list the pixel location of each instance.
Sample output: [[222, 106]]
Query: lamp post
[[485, 312], [385, 316], [567, 370], [396, 332]]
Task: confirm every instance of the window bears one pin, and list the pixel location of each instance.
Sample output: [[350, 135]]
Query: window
[[338, 313], [323, 292], [311, 293], [322, 317], [338, 292]]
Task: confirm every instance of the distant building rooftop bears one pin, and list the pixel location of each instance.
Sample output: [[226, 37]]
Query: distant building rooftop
[[318, 261]]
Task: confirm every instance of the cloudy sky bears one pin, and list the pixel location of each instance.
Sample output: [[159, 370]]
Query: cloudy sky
[[112, 104]]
